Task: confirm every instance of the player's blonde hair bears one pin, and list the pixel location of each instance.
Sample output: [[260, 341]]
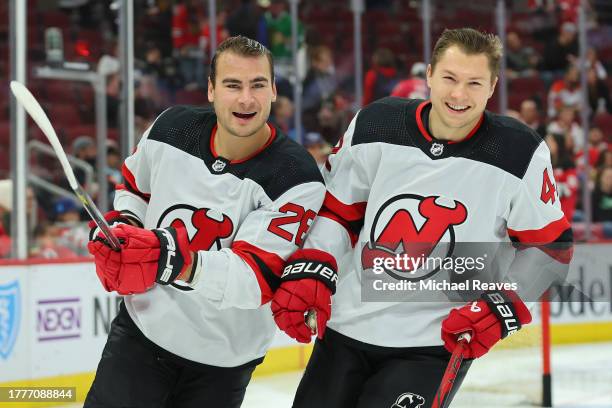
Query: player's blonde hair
[[471, 42], [243, 46]]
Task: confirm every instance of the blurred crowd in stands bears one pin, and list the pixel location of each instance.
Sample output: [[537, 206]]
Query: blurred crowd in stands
[[172, 40]]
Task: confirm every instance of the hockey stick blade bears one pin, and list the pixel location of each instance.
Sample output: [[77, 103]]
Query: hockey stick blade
[[450, 374], [36, 112]]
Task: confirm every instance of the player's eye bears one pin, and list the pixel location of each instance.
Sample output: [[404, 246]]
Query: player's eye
[[449, 78], [259, 85], [233, 86], [475, 83]]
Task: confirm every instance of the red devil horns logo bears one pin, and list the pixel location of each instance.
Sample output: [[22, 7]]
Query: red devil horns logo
[[210, 226], [401, 229]]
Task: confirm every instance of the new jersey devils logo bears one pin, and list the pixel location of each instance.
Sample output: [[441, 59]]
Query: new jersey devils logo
[[409, 400], [205, 227], [416, 226]]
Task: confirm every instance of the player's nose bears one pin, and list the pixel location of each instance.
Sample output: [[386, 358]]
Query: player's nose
[[458, 93], [246, 96]]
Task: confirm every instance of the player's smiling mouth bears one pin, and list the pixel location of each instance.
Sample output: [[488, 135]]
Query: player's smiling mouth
[[457, 108], [247, 115]]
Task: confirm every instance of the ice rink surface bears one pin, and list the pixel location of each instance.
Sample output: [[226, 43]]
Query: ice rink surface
[[582, 378]]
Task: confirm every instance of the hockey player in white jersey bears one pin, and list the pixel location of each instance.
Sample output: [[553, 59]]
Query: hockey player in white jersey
[[214, 202], [407, 177]]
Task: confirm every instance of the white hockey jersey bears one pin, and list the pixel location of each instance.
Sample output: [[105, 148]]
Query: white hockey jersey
[[389, 183], [244, 218]]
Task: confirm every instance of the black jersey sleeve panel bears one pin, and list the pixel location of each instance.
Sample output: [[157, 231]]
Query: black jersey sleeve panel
[[284, 166], [385, 121], [183, 127], [506, 144]]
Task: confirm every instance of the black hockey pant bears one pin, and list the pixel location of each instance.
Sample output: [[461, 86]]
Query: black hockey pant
[[345, 373], [134, 374]]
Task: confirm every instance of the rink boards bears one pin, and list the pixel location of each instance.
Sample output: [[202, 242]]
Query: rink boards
[[54, 319]]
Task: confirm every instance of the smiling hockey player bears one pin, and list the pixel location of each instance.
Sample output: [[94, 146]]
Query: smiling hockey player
[[224, 199], [415, 172]]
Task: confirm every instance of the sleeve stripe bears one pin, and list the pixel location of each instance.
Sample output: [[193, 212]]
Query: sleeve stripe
[[544, 235], [349, 212], [350, 216], [130, 184], [266, 265]]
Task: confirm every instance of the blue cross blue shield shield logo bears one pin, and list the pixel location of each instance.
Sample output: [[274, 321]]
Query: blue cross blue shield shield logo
[[10, 311]]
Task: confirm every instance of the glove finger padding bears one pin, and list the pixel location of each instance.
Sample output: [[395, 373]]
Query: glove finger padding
[[127, 271], [138, 265], [293, 299], [107, 264], [308, 282], [494, 317]]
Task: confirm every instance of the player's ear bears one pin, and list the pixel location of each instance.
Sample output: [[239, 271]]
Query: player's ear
[[429, 72], [211, 91], [273, 92]]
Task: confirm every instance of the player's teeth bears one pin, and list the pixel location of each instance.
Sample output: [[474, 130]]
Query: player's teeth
[[457, 107]]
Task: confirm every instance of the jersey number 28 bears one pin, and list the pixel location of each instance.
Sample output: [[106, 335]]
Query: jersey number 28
[[298, 215]]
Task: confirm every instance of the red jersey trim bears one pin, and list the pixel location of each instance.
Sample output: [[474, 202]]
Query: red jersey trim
[[544, 235], [343, 214], [349, 212], [271, 260], [426, 134], [131, 180], [261, 149]]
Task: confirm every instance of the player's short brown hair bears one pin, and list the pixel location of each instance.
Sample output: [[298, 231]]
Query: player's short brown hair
[[244, 47], [471, 42]]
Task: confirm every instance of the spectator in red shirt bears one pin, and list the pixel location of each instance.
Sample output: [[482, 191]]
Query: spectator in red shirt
[[46, 245], [186, 41], [596, 147], [565, 92], [222, 32], [414, 87], [568, 10], [564, 170], [381, 78]]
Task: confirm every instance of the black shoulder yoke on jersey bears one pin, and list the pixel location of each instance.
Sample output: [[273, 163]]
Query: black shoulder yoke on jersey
[[499, 141], [281, 166]]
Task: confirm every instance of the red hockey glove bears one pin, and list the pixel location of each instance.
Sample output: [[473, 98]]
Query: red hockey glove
[[308, 282], [488, 320], [146, 257], [113, 218]]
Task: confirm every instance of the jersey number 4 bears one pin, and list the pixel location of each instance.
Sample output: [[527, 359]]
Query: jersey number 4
[[298, 215], [548, 189]]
